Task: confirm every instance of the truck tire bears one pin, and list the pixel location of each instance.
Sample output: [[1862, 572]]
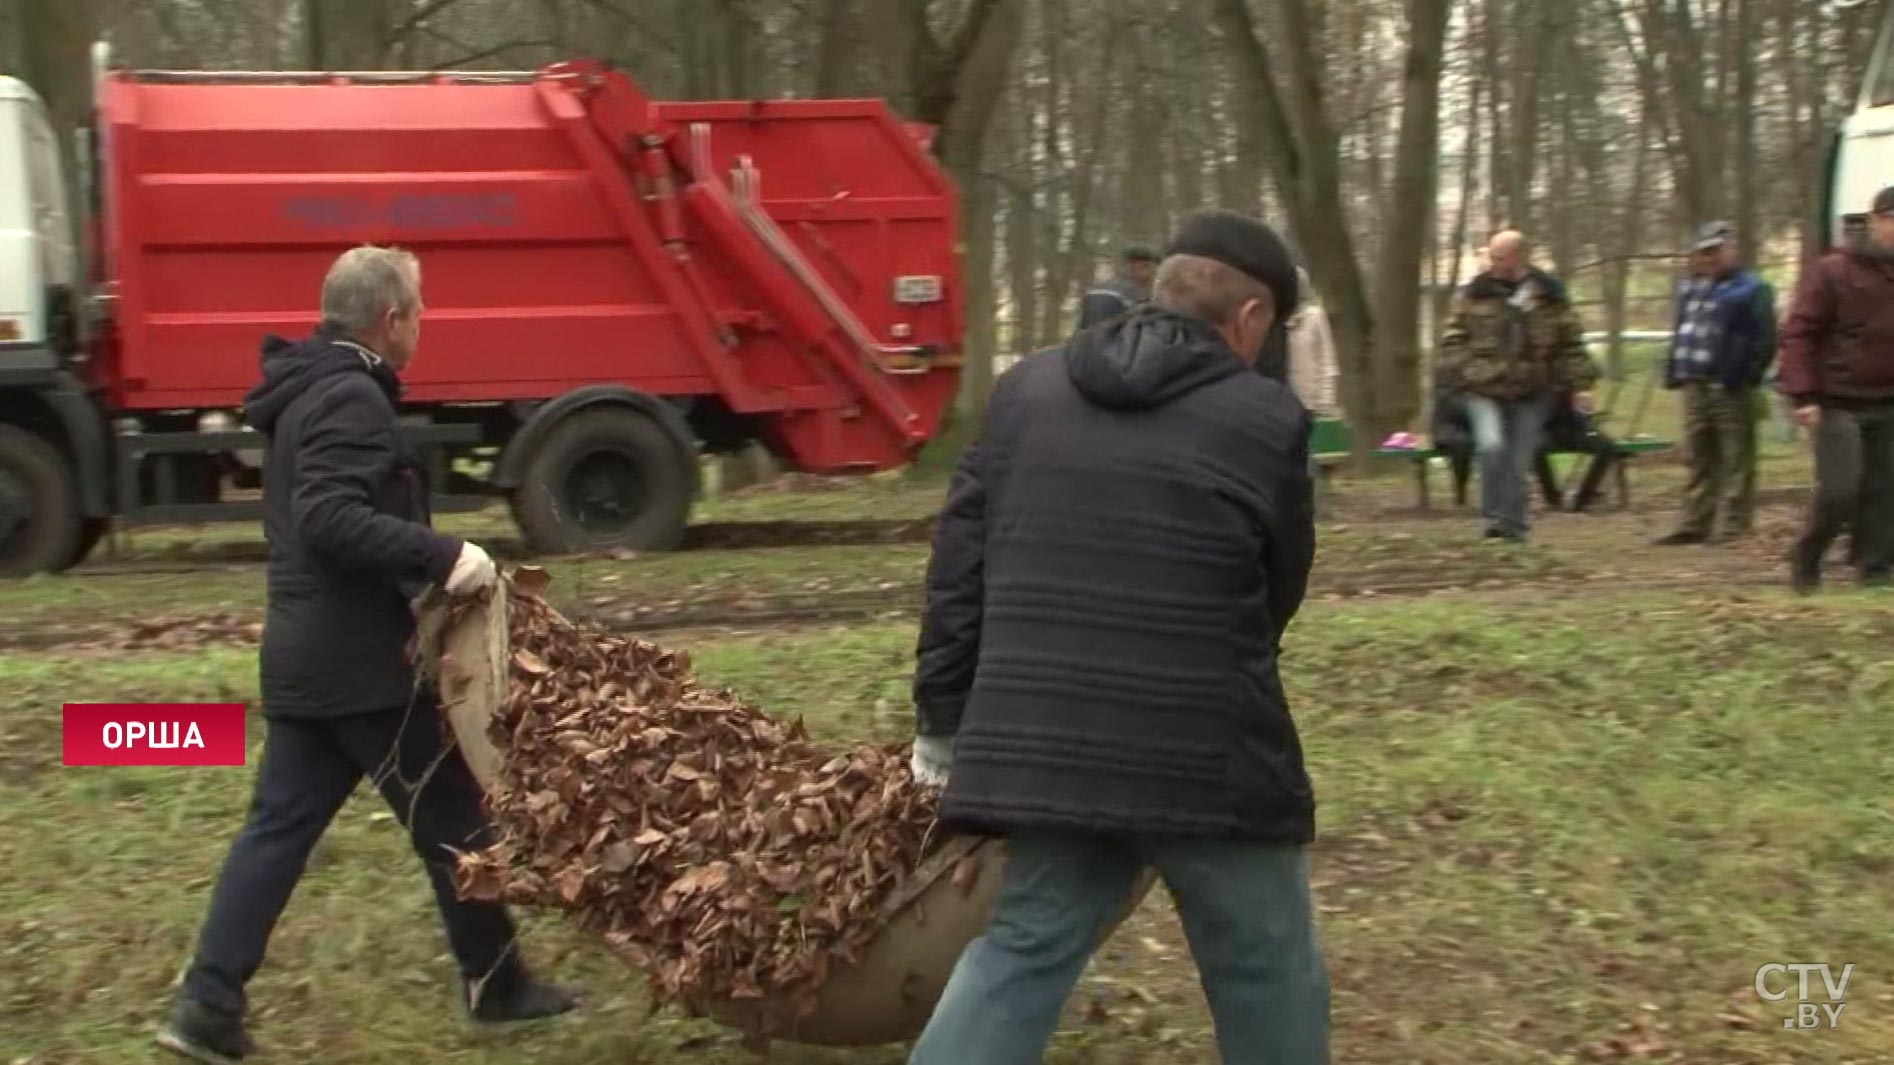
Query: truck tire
[[40, 524], [606, 478]]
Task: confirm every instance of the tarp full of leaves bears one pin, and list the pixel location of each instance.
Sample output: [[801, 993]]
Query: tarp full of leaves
[[707, 843]]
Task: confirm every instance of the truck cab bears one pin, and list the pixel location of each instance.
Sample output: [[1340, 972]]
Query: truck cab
[[39, 269], [53, 502], [1863, 162]]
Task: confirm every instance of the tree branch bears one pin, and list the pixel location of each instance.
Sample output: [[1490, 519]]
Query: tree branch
[[421, 14]]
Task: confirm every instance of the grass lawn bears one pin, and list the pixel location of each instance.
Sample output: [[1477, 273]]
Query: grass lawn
[[1554, 828]]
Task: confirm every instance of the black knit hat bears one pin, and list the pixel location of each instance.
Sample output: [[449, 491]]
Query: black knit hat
[[1884, 201], [1244, 244]]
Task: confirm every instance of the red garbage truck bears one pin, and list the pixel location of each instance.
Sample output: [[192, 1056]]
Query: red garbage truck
[[615, 286]]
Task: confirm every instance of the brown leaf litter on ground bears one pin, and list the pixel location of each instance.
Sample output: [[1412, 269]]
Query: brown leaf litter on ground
[[706, 843]]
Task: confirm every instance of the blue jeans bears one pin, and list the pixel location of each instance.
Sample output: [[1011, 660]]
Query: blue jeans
[[1506, 434], [1246, 912]]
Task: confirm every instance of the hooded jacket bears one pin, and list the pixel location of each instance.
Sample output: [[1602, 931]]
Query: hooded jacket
[[346, 512], [1109, 299], [1113, 570], [1507, 342], [1838, 339]]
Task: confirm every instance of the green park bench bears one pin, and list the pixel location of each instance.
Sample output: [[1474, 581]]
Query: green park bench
[[1628, 447], [1422, 462]]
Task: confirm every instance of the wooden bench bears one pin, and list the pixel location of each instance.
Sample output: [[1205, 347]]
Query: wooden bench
[[1422, 461]]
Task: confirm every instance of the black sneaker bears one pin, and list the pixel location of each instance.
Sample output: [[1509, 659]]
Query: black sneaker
[[204, 1034], [513, 1001], [1681, 538]]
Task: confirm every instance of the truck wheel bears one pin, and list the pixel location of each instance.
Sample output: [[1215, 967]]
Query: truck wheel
[[40, 523], [603, 479]]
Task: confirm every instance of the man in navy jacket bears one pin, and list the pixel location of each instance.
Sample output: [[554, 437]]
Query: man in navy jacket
[[346, 515], [1724, 341]]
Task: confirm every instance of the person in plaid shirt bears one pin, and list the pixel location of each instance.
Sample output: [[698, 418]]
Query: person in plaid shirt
[[1724, 341]]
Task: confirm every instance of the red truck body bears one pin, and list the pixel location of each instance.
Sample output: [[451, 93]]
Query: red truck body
[[794, 262]]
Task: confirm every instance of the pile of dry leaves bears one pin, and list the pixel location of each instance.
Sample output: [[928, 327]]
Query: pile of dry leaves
[[711, 846]]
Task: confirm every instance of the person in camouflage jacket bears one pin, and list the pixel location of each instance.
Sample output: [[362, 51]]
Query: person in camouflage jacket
[[1511, 349]]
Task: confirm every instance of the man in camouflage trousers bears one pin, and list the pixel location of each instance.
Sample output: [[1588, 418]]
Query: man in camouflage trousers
[[1722, 347], [1511, 349]]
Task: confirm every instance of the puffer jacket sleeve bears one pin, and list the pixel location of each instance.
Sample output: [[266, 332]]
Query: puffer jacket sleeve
[[348, 447], [1289, 525], [1572, 367], [949, 649]]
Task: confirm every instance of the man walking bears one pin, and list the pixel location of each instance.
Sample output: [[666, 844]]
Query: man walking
[[1721, 348], [1097, 670], [1126, 291], [345, 511], [1838, 368], [1511, 348]]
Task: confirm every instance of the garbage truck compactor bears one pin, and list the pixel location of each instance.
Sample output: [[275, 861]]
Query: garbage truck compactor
[[614, 286]]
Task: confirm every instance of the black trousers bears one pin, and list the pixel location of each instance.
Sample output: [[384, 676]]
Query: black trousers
[[1854, 487], [1590, 486], [308, 770]]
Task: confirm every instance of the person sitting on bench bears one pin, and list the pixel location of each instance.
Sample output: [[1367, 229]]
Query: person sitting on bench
[[1568, 429]]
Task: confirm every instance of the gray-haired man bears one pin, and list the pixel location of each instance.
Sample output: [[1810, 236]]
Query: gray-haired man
[[346, 514]]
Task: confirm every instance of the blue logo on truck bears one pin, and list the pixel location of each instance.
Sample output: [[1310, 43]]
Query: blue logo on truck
[[426, 210]]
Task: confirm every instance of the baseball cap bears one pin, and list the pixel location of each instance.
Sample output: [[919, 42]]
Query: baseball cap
[[1884, 201], [1139, 253], [1713, 235]]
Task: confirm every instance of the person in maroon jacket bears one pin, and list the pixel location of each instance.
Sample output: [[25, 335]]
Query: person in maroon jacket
[[1838, 370]]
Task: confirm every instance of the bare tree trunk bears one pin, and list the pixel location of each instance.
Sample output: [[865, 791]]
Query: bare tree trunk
[[1563, 203], [1469, 183], [956, 84], [1300, 147], [838, 50], [1618, 274], [1744, 109], [1416, 168], [1499, 179], [1530, 71], [741, 68], [55, 58], [348, 34], [1022, 236], [1091, 141]]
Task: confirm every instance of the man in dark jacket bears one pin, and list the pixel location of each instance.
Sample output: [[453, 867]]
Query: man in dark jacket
[[345, 512], [1838, 368], [1512, 347], [1097, 670], [1126, 291], [1722, 346]]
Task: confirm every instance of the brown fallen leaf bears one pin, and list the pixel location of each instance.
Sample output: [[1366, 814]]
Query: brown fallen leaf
[[704, 842]]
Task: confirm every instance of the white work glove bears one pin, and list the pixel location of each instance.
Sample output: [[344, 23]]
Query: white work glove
[[932, 760], [473, 571]]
